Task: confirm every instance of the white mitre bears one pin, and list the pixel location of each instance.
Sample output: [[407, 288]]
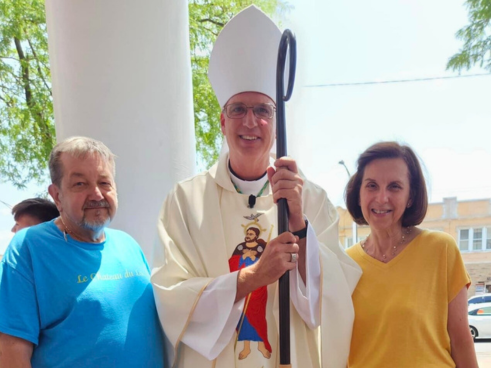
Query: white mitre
[[245, 55]]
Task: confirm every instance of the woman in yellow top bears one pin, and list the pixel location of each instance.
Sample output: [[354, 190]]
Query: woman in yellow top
[[411, 301]]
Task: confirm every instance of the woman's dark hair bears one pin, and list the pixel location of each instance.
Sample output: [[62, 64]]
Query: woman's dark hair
[[413, 215]]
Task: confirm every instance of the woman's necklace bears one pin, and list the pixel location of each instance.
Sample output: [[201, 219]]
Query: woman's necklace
[[384, 259]]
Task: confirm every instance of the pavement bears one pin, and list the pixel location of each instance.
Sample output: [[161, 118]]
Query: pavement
[[483, 353]]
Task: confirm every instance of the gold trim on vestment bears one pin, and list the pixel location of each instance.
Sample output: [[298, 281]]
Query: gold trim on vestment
[[320, 308], [277, 355], [178, 342]]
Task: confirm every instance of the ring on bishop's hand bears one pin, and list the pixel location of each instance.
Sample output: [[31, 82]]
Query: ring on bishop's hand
[[294, 257]]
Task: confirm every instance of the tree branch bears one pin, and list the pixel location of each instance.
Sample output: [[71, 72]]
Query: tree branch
[[30, 101], [9, 57], [13, 75], [24, 72], [41, 75], [212, 21], [6, 101], [209, 30]]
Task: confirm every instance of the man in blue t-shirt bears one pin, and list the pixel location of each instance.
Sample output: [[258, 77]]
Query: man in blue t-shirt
[[72, 292]]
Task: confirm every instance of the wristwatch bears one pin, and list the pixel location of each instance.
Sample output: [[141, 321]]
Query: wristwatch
[[302, 233]]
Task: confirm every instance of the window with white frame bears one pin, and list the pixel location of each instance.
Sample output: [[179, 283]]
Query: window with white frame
[[474, 239], [464, 239], [477, 239]]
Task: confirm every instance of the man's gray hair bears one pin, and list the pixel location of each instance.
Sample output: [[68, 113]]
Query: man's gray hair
[[78, 147]]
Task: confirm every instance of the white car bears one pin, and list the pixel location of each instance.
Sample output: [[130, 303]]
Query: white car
[[480, 320], [478, 299]]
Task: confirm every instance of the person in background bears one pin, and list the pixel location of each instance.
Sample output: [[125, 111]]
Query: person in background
[[411, 301], [33, 211], [74, 293]]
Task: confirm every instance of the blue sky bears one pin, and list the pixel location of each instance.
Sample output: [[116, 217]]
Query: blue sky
[[447, 121]]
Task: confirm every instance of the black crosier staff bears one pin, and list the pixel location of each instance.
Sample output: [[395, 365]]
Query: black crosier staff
[[287, 43]]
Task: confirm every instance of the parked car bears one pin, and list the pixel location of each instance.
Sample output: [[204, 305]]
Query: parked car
[[480, 320], [478, 299]]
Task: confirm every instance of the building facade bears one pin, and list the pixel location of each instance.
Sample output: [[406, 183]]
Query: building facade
[[469, 222]]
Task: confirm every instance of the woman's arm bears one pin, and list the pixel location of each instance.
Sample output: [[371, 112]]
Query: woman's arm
[[461, 342]]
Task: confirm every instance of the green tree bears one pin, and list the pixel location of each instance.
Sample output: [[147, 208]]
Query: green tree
[[27, 131], [476, 37]]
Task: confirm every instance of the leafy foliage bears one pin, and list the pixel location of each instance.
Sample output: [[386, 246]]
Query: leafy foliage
[[476, 36], [27, 131]]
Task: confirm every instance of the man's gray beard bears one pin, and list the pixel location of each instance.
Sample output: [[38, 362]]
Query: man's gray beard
[[95, 226]]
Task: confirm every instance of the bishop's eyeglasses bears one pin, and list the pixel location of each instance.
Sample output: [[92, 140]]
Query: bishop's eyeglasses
[[238, 110]]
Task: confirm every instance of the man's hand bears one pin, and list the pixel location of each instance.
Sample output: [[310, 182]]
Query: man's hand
[[274, 262], [286, 183]]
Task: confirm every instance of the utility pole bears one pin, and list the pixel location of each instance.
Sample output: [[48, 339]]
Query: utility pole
[[6, 204]]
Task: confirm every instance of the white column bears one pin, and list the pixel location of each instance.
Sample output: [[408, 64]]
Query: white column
[[121, 74]]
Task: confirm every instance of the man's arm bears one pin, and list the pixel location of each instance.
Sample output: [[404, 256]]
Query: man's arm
[[15, 352]]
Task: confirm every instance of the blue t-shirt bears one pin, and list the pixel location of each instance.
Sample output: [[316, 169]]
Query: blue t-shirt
[[81, 304]]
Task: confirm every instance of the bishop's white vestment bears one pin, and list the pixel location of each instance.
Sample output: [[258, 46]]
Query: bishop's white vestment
[[202, 228]]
